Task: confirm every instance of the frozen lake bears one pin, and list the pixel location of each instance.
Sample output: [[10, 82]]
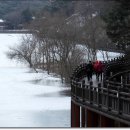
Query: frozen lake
[[29, 99]]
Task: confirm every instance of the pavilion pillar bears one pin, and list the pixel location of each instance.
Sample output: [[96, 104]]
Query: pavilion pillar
[[72, 114], [106, 122], [75, 115], [89, 118], [123, 125], [83, 117], [92, 119], [95, 119]]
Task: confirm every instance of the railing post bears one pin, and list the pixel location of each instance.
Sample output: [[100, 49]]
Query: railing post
[[119, 101], [108, 98], [127, 78], [111, 74], [83, 90], [121, 79], [90, 93], [99, 95]]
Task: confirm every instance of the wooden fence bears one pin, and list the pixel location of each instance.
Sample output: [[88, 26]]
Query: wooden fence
[[112, 96]]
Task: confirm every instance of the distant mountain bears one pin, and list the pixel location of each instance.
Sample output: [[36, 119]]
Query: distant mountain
[[8, 6], [16, 13]]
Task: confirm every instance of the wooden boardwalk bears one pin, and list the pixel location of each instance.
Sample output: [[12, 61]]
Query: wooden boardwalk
[[94, 81], [101, 103]]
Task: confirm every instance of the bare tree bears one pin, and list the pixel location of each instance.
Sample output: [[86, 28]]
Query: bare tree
[[25, 51], [93, 27], [59, 39], [57, 44]]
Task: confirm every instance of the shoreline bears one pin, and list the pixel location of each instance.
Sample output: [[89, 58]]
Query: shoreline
[[15, 31]]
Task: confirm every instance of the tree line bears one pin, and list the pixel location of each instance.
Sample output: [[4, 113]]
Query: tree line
[[60, 42], [16, 13]]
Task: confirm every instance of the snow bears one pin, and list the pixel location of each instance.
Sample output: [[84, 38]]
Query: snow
[[7, 40], [101, 55], [29, 99], [23, 94], [1, 20], [111, 55]]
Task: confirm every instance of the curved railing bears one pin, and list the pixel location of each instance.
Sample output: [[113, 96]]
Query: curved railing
[[80, 71], [112, 96], [111, 100], [123, 76], [115, 66]]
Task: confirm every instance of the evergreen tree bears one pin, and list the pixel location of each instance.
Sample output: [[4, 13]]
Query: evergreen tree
[[118, 24], [57, 5], [27, 16]]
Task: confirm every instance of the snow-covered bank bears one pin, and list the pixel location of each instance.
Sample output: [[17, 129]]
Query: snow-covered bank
[[20, 101], [24, 103], [7, 40], [102, 55], [29, 99]]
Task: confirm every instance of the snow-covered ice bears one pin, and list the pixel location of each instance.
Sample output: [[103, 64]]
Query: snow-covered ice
[[29, 99], [24, 103]]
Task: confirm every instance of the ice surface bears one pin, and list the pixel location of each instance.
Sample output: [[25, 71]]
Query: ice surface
[[29, 99], [23, 103]]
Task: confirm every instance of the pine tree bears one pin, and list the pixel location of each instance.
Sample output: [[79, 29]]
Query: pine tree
[[118, 24], [57, 5], [27, 16]]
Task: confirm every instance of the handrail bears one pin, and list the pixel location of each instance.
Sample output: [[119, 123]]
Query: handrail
[[112, 97], [114, 102], [119, 74], [77, 72]]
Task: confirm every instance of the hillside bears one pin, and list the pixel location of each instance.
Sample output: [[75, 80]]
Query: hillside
[[9, 6], [16, 13]]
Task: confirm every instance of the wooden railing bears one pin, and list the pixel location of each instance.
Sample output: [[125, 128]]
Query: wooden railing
[[121, 77], [80, 71], [112, 96], [112, 100]]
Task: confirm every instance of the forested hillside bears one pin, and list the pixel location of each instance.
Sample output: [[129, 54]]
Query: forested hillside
[[66, 33], [18, 12], [9, 6]]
